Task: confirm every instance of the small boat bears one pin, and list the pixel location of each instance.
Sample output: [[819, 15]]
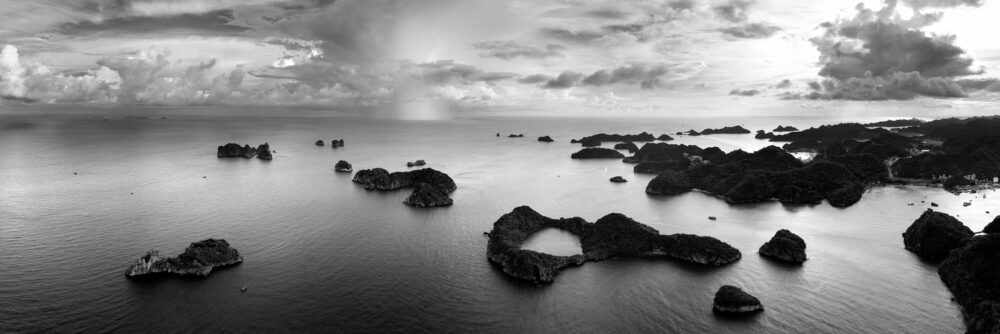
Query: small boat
[[243, 289], [711, 218]]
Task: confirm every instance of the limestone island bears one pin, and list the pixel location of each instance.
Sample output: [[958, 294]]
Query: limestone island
[[732, 300], [784, 246], [545, 139], [343, 167], [234, 150], [597, 153], [630, 146], [614, 235], [729, 130], [934, 235], [618, 179], [337, 143], [785, 129], [596, 140], [434, 191], [198, 260]]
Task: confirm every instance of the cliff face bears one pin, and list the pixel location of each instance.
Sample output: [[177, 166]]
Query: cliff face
[[970, 273], [934, 235], [611, 236], [198, 259]]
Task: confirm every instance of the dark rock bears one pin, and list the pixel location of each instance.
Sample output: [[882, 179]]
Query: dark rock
[[630, 146], [618, 179], [726, 130], [664, 137], [343, 167], [336, 143], [611, 236], [382, 180], [234, 150], [198, 259], [763, 135], [596, 140], [935, 234], [669, 183], [693, 133], [785, 129], [319, 142], [515, 136], [785, 246], [597, 153], [992, 227], [416, 163], [970, 273], [425, 195], [546, 139], [730, 299], [264, 152]]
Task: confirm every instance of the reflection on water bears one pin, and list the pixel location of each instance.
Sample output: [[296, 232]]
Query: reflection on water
[[553, 241]]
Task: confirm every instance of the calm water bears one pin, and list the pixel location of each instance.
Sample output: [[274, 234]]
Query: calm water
[[322, 254]]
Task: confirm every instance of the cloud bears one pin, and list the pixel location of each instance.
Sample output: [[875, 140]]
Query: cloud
[[646, 76], [751, 30], [216, 23], [734, 10], [563, 81], [608, 13], [534, 79], [878, 55], [508, 50], [449, 72], [570, 36], [11, 73], [989, 85], [744, 92]]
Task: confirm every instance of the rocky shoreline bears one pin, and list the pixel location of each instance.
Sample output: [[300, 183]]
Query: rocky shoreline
[[614, 235]]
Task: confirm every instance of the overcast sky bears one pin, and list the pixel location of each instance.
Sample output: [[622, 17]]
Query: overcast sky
[[482, 54]]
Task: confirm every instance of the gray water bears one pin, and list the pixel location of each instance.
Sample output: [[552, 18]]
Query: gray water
[[324, 255]]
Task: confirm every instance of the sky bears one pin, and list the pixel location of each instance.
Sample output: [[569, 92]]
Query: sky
[[422, 56]]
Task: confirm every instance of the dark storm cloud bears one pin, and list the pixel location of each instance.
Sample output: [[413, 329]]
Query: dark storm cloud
[[751, 30], [570, 36], [217, 22], [535, 79], [989, 85], [876, 55], [734, 10], [646, 76], [508, 50], [744, 92], [564, 80], [608, 13], [448, 72]]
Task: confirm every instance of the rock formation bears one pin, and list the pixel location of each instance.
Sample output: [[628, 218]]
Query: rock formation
[[730, 299], [597, 153], [337, 143], [726, 130], [785, 129], [613, 235], [664, 137], [970, 273], [935, 234], [618, 179], [425, 195], [545, 139], [515, 136], [630, 146], [343, 167], [763, 135], [669, 183], [264, 152], [993, 227], [416, 163], [603, 137], [382, 180], [234, 150], [785, 246], [319, 142], [198, 259]]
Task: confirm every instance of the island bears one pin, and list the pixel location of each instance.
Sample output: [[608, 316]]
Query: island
[[381, 180], [613, 235], [664, 137], [895, 123], [618, 179], [198, 260], [545, 139], [597, 153], [337, 143], [785, 129], [733, 130], [343, 167], [784, 246], [630, 146], [234, 150], [319, 142], [417, 163], [603, 137], [763, 135], [934, 235], [733, 300], [515, 136]]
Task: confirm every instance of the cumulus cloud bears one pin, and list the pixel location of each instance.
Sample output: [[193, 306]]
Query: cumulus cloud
[[11, 73], [534, 79], [571, 36], [449, 72], [646, 76], [734, 10], [744, 92], [508, 50], [878, 55], [564, 80]]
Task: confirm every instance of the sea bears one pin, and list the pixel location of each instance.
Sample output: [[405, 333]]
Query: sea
[[84, 193]]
